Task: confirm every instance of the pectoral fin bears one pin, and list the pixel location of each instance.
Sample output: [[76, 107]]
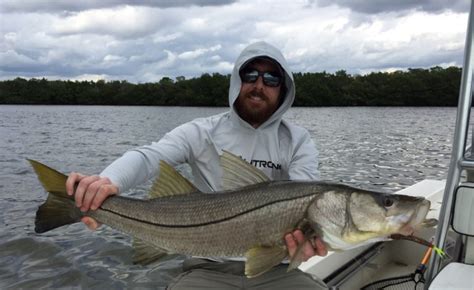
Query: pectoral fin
[[262, 258], [298, 257]]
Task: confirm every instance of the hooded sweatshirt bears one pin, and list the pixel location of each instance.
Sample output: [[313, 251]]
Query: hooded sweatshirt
[[283, 151]]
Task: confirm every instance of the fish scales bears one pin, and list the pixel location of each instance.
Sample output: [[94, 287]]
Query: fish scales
[[194, 209], [233, 236], [250, 218]]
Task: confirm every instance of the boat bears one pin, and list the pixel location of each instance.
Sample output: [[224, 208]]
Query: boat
[[402, 264]]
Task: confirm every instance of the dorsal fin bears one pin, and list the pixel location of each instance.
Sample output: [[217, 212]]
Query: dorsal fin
[[237, 172], [170, 182]]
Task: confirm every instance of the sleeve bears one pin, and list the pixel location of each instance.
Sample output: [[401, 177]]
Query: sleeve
[[304, 162], [141, 164]]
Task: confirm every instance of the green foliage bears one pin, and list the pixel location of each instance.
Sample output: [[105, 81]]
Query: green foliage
[[415, 87]]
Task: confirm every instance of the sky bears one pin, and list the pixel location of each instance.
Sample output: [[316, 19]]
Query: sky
[[144, 40]]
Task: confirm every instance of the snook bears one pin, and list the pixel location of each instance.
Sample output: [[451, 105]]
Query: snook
[[249, 218]]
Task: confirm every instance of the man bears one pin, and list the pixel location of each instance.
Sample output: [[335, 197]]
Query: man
[[261, 91]]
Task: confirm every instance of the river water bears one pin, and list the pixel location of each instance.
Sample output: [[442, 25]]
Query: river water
[[383, 148]]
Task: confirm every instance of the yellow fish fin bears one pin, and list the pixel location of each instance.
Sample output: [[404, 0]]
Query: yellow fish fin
[[260, 259], [170, 182]]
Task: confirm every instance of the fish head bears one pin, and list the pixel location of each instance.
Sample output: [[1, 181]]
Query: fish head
[[350, 218], [381, 214]]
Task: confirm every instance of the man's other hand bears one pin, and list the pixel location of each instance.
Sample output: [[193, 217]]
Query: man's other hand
[[310, 249]]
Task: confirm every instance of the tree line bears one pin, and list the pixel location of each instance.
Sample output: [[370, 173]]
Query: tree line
[[415, 87]]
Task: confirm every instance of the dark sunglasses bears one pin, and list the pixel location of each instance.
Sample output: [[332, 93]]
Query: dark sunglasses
[[269, 79]]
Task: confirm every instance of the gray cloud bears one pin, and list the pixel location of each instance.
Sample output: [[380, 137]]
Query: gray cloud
[[62, 6], [122, 22], [143, 44], [382, 6]]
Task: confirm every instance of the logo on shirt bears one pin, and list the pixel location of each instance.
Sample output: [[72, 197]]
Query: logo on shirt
[[265, 164]]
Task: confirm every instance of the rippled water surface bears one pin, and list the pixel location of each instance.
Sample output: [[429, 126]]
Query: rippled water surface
[[376, 148]]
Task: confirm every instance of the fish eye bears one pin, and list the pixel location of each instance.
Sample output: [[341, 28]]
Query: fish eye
[[387, 202]]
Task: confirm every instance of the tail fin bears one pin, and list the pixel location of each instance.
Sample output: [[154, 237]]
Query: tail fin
[[59, 209]]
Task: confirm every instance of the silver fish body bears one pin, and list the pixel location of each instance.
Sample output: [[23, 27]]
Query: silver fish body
[[229, 223], [247, 221]]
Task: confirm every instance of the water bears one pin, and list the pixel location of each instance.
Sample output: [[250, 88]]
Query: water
[[375, 148]]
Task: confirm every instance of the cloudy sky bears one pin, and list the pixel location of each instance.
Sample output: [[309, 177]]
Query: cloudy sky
[[145, 40]]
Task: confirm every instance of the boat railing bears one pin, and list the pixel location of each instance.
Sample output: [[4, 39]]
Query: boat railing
[[459, 160]]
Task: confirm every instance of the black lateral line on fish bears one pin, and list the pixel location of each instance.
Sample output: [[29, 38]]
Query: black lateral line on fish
[[206, 223]]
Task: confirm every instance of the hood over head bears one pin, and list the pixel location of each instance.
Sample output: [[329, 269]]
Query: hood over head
[[257, 50]]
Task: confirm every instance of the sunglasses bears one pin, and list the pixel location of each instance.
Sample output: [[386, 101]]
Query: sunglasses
[[270, 79]]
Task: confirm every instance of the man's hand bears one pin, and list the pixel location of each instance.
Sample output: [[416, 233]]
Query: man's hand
[[90, 193], [294, 239], [91, 223]]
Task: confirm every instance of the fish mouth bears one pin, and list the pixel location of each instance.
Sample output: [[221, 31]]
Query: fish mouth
[[417, 218]]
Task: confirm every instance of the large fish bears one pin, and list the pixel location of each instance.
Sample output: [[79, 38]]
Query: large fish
[[249, 218]]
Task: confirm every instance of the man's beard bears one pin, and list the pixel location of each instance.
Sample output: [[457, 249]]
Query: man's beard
[[250, 114]]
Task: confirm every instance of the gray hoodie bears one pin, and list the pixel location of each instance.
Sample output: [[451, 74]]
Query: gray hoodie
[[280, 149]]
